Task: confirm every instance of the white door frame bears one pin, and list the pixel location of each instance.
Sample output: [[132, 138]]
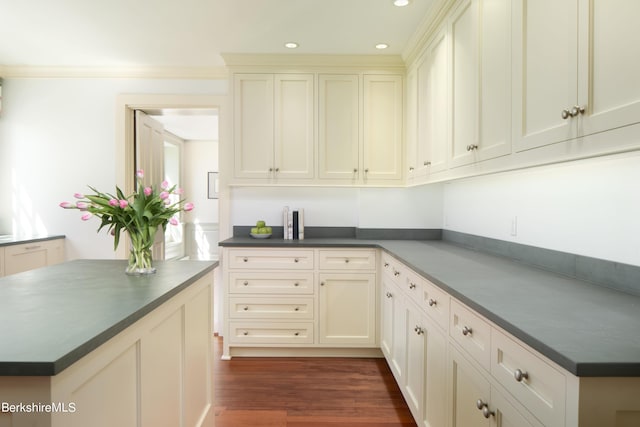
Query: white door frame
[[125, 153]]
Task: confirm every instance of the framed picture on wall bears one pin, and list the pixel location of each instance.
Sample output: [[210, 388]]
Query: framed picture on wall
[[212, 185]]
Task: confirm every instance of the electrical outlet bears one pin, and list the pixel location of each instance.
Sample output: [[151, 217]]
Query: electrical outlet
[[514, 226]]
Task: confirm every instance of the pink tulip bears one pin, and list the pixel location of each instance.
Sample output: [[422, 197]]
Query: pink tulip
[[114, 203], [179, 191], [188, 207], [123, 204], [164, 185], [173, 221], [67, 205], [78, 196], [86, 216], [148, 191], [164, 195], [82, 206], [140, 173]]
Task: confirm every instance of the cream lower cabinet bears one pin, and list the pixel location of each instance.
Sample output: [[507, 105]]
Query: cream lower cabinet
[[456, 368], [28, 256], [279, 301]]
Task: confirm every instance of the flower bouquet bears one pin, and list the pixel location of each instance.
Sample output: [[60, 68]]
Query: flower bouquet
[[139, 214]]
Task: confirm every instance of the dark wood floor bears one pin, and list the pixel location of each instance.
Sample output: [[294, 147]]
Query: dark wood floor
[[306, 392]]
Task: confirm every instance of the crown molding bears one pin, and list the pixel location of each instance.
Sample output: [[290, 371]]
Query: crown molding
[[429, 25], [317, 61], [27, 71]]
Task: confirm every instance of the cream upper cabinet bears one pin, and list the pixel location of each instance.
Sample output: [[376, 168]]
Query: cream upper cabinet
[[575, 70], [433, 106], [480, 81], [274, 126], [382, 153], [360, 123], [338, 126]]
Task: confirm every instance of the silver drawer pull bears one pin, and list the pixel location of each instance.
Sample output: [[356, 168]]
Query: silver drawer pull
[[296, 309], [246, 308], [466, 331], [245, 333], [246, 283], [519, 375], [295, 260], [30, 248], [296, 284], [346, 261], [245, 259], [432, 302], [296, 333]]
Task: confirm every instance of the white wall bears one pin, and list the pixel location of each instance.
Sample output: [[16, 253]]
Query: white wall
[[419, 207], [590, 207], [200, 157], [57, 135]]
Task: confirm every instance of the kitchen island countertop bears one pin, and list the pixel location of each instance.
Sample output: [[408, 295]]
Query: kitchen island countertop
[[588, 329], [53, 316]]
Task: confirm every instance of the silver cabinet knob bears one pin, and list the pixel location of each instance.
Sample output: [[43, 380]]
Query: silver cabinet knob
[[296, 260], [246, 308], [346, 261], [396, 273], [519, 375], [466, 331], [386, 264], [270, 169], [366, 170], [321, 283], [484, 407], [432, 302], [245, 259], [565, 114], [426, 163], [296, 309], [246, 283], [277, 169], [411, 169], [296, 333], [418, 330], [355, 170], [245, 333], [389, 295], [296, 284], [412, 285], [472, 147]]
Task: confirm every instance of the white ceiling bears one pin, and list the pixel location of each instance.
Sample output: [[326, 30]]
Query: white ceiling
[[193, 33]]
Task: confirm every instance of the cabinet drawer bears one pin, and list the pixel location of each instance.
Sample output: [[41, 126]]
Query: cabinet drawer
[[271, 259], [250, 282], [436, 303], [300, 308], [471, 332], [392, 267], [29, 256], [347, 259], [535, 383], [412, 285], [271, 333]]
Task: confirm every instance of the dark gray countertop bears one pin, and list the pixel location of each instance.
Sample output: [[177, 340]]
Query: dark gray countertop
[[587, 329], [8, 239], [53, 316]]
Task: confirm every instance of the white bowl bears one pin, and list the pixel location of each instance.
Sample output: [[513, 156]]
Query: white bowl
[[260, 236]]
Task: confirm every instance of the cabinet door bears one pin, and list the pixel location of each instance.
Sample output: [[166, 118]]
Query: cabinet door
[[294, 131], [609, 51], [253, 125], [544, 71], [382, 136], [467, 387], [1, 262], [338, 127], [393, 327], [411, 124], [416, 334], [481, 81], [464, 82], [347, 308], [433, 107]]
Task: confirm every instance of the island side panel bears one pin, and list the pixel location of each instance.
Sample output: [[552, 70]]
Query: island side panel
[[153, 373]]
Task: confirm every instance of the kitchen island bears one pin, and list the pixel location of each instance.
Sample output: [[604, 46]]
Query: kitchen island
[[85, 344]]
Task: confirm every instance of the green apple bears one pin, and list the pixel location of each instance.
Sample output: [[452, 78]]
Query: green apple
[[261, 224], [254, 230], [269, 230], [263, 230]]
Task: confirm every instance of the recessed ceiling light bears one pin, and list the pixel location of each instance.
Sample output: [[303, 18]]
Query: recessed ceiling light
[[382, 46], [291, 45], [401, 3]]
